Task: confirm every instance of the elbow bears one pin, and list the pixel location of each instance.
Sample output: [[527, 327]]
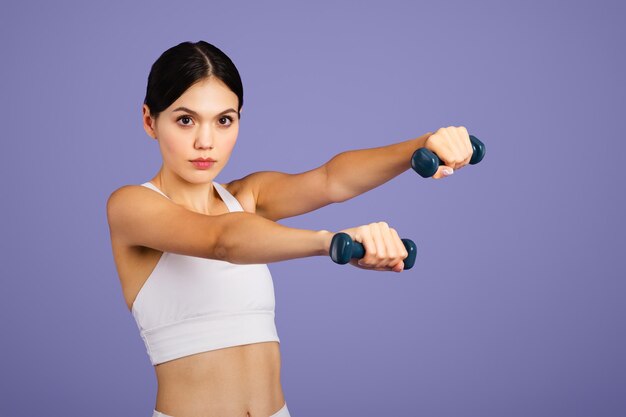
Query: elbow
[[220, 248], [220, 252], [224, 246], [336, 194], [333, 194]]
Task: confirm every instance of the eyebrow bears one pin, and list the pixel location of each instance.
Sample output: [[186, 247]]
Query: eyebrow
[[197, 115]]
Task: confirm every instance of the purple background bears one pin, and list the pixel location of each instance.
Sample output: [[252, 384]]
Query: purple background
[[516, 304]]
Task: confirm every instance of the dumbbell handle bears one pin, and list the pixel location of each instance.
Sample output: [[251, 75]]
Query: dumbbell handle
[[425, 162], [343, 248]]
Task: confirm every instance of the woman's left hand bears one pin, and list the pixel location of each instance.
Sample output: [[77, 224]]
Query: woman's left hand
[[453, 147]]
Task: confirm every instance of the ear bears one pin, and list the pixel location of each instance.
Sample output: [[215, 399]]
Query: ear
[[148, 122]]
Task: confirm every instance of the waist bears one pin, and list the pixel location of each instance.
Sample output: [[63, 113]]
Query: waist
[[240, 376]]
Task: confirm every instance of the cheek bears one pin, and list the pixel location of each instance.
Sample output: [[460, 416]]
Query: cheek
[[232, 140], [169, 147], [231, 144], [172, 146], [171, 151]]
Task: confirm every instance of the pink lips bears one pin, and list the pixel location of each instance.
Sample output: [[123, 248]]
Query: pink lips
[[203, 164]]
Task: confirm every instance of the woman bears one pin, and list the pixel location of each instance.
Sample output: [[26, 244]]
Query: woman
[[191, 253]]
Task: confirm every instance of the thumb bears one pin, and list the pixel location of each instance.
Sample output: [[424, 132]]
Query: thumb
[[443, 171]]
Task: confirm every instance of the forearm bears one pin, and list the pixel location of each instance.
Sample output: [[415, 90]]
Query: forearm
[[354, 172], [247, 238]]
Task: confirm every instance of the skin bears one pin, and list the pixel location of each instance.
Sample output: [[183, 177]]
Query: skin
[[241, 380], [183, 137], [245, 380]]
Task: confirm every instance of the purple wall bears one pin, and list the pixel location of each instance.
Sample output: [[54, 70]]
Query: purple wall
[[515, 306]]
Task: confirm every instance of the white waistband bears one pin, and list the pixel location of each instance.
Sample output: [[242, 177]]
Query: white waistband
[[209, 332]]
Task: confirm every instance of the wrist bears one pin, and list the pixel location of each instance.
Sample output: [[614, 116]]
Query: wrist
[[324, 237], [421, 141]]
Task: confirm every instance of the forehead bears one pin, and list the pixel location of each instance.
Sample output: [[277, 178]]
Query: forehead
[[208, 95]]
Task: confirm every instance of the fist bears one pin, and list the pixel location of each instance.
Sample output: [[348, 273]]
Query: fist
[[453, 147], [384, 250]]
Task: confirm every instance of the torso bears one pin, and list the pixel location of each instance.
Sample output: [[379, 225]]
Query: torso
[[236, 381]]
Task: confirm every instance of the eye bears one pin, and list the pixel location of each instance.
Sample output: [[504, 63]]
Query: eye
[[228, 118], [184, 117]]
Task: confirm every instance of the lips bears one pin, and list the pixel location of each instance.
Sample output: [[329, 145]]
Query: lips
[[203, 160], [203, 164]]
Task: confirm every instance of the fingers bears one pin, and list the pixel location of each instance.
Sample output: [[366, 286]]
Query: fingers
[[441, 172], [453, 147], [402, 252], [465, 140], [379, 260], [384, 250]]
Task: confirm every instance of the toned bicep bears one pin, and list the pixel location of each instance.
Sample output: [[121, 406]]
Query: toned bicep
[[138, 216]]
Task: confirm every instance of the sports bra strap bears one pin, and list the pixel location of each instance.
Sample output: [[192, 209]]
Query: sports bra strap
[[155, 188], [231, 202]]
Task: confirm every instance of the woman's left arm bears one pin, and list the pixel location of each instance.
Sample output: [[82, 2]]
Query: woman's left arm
[[279, 195], [353, 173]]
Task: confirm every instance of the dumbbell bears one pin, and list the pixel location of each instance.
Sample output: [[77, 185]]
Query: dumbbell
[[425, 162], [343, 248]]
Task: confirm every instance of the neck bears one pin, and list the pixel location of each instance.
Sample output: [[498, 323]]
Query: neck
[[198, 197]]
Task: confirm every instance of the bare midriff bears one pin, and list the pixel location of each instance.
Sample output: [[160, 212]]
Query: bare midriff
[[238, 381]]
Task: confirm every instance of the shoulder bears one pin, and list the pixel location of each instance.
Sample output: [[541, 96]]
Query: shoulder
[[127, 192], [132, 197], [243, 190], [121, 194]]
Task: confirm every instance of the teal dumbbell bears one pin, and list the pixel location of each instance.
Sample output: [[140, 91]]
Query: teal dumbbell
[[343, 248], [425, 162]]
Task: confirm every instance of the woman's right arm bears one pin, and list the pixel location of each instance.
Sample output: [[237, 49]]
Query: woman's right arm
[[138, 216]]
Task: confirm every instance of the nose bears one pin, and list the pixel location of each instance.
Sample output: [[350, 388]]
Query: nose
[[205, 138]]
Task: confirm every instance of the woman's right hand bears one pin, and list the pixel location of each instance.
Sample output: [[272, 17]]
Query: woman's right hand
[[384, 250]]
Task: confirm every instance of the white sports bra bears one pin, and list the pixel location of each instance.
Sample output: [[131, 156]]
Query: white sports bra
[[190, 305]]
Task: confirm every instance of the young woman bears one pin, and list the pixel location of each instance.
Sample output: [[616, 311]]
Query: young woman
[[191, 253]]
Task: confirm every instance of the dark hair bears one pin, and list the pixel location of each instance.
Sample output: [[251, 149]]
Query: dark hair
[[183, 65]]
